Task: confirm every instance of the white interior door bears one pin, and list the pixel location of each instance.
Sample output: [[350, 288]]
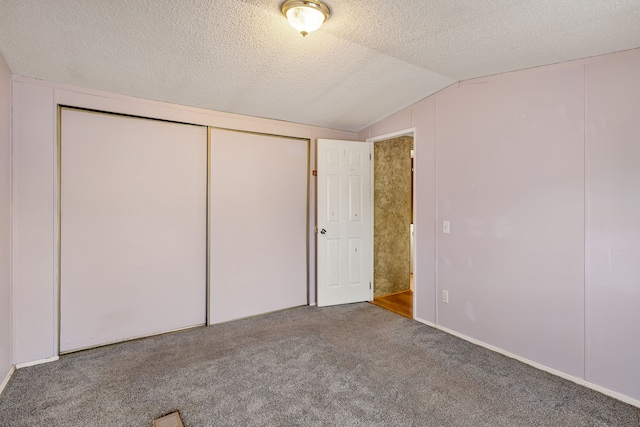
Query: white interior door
[[259, 187], [133, 228], [344, 240]]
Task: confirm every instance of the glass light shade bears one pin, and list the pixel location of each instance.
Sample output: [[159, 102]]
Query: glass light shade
[[305, 15], [305, 19]]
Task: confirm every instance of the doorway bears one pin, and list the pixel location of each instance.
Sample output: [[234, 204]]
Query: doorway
[[393, 224]]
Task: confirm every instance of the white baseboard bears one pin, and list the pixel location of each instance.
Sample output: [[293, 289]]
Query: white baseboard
[[433, 325], [36, 362], [311, 304], [619, 396], [7, 378]]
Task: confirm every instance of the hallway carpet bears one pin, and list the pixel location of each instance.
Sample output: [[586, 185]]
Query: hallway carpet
[[353, 365]]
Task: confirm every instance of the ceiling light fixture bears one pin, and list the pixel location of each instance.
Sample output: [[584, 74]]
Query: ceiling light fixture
[[305, 15]]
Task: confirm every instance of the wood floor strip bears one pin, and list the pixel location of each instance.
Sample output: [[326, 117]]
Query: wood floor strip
[[400, 303]]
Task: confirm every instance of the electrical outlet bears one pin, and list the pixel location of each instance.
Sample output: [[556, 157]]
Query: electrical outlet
[[446, 227], [445, 296]]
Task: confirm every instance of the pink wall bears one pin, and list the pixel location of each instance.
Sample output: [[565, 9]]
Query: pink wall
[[503, 159], [5, 225], [510, 169], [613, 224], [33, 258]]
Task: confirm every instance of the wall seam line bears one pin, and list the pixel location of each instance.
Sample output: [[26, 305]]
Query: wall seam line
[[436, 283], [586, 223], [11, 218]]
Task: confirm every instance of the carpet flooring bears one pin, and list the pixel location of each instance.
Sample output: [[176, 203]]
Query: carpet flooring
[[353, 365]]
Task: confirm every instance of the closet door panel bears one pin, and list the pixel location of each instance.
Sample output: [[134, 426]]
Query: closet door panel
[[133, 228], [258, 224]]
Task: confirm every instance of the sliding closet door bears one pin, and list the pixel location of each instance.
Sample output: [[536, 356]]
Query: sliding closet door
[[258, 224], [133, 207]]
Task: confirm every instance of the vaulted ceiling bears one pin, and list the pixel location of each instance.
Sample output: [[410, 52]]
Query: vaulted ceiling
[[370, 59]]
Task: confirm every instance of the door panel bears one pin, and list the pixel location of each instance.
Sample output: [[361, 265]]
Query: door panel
[[355, 198], [344, 222], [133, 228], [259, 192], [333, 263], [333, 198], [355, 261]]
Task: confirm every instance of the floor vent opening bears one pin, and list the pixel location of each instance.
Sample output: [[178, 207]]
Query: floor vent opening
[[171, 420]]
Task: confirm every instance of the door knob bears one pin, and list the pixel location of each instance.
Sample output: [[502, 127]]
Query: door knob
[[323, 231]]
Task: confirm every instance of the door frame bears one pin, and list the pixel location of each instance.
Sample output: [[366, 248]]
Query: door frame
[[405, 132]]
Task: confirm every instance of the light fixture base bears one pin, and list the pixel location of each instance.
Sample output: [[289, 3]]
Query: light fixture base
[[305, 15]]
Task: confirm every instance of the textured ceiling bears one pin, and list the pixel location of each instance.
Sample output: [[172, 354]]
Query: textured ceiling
[[369, 60]]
